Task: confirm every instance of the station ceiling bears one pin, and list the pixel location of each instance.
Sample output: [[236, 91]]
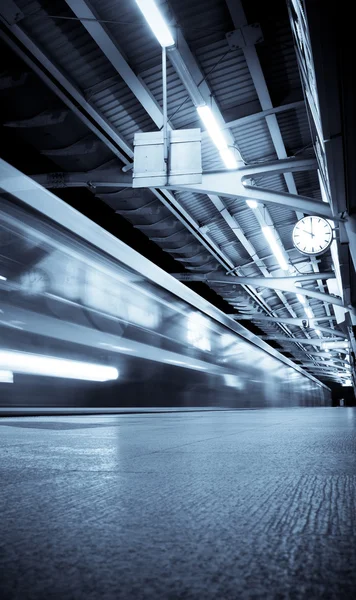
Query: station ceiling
[[78, 80]]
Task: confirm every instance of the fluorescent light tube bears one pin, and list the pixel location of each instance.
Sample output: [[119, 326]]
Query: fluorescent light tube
[[252, 203], [308, 311], [213, 129], [275, 247], [318, 332], [228, 158], [301, 298], [156, 22], [37, 364], [2, 278]]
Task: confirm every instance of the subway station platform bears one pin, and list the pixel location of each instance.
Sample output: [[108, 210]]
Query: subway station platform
[[203, 505]]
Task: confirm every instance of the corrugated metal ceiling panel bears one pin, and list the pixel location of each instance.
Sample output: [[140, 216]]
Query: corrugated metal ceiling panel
[[294, 127], [198, 205], [66, 42], [227, 74], [211, 160], [254, 141], [307, 183], [274, 182], [203, 21], [204, 25], [181, 111], [122, 110], [278, 60]]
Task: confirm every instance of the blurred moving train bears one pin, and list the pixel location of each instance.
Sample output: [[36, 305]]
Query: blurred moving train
[[85, 321]]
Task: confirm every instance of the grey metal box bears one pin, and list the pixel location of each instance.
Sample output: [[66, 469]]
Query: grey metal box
[[184, 157]]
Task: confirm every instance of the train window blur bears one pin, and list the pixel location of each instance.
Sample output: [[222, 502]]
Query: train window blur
[[6, 376], [198, 332], [67, 302]]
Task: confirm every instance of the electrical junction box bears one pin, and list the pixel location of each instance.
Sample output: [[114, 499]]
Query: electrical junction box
[[184, 158]]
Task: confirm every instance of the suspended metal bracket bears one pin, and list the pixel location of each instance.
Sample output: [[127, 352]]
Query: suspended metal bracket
[[185, 164], [160, 161]]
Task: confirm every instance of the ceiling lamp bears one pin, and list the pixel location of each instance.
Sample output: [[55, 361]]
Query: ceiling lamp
[[213, 129], [156, 22], [275, 247], [252, 204]]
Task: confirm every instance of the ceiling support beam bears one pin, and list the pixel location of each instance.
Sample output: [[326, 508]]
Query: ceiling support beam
[[261, 115], [330, 368], [289, 165], [239, 19], [270, 282], [232, 221], [328, 372], [312, 342], [232, 178], [280, 283], [101, 36], [331, 354], [333, 363], [300, 322], [229, 184], [297, 322], [330, 331], [72, 97]]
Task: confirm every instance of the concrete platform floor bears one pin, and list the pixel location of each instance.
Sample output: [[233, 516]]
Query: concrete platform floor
[[223, 505]]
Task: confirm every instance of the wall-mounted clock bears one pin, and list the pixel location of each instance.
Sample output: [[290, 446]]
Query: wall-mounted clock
[[312, 235]]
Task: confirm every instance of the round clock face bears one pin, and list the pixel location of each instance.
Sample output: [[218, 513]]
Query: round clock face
[[34, 282], [312, 235]]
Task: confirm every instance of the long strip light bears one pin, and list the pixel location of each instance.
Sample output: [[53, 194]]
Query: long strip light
[[275, 247], [161, 30], [156, 22], [301, 299], [339, 345], [308, 311], [252, 204], [37, 364], [213, 129]]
